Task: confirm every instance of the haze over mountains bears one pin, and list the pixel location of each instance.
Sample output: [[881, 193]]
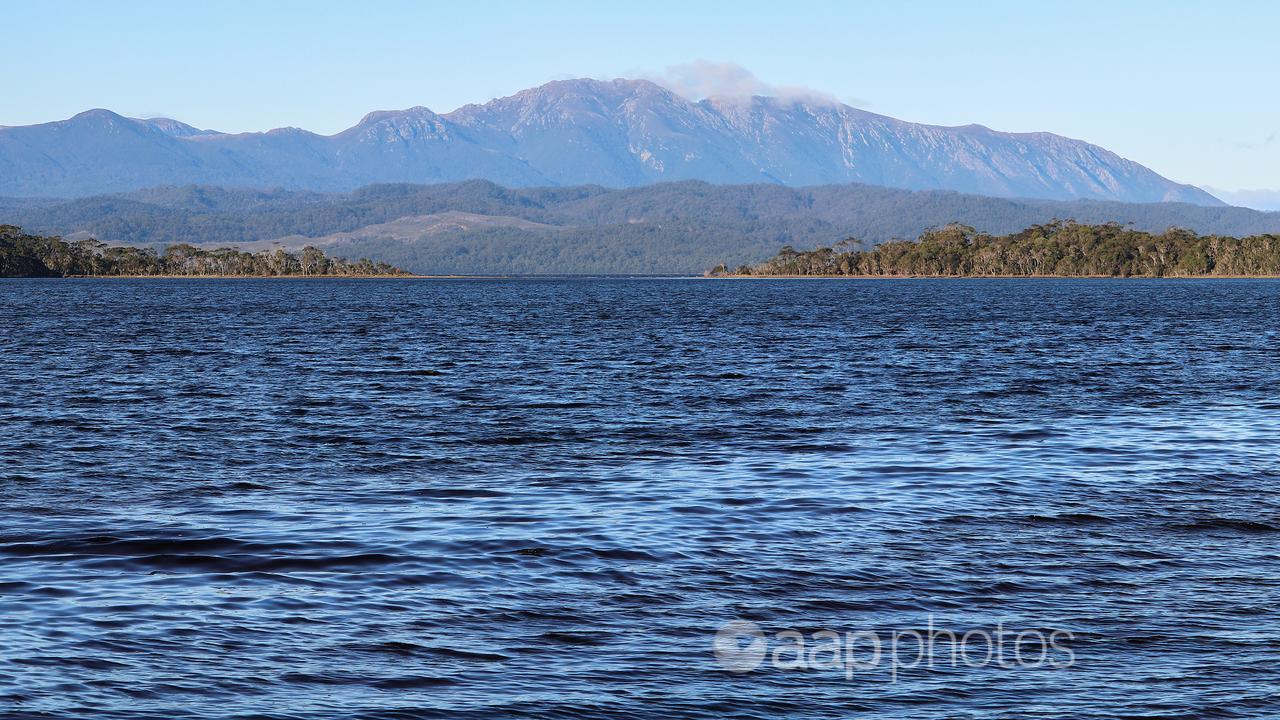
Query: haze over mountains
[[1266, 200], [621, 133]]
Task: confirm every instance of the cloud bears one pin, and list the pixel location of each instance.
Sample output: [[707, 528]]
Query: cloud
[[706, 78], [147, 114]]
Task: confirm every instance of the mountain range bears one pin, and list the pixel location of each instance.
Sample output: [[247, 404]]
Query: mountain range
[[1265, 200], [620, 133]]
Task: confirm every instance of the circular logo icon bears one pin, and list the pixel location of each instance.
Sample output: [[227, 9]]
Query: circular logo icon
[[740, 646]]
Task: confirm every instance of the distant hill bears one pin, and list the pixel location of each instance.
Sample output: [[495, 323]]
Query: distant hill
[[481, 227], [1268, 200], [622, 133]]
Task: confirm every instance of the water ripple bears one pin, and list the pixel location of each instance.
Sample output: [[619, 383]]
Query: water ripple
[[541, 498]]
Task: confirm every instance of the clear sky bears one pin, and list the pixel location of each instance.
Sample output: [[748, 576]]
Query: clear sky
[[1191, 89]]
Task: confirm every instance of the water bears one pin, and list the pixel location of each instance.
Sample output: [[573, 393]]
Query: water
[[541, 498]]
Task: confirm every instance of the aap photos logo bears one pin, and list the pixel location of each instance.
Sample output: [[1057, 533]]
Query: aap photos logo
[[741, 646]]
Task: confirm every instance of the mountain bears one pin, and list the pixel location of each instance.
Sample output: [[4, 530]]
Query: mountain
[[477, 227], [620, 133], [1267, 200]]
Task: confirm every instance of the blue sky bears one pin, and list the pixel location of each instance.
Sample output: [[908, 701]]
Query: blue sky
[[1187, 88]]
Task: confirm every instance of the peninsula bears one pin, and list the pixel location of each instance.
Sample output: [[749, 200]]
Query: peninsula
[[35, 256], [1055, 249]]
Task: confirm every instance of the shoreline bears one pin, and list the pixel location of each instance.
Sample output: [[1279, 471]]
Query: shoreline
[[990, 277], [651, 277], [273, 277]]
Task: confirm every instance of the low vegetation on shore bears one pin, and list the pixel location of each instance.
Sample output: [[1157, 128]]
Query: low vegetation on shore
[[24, 255], [1056, 249]]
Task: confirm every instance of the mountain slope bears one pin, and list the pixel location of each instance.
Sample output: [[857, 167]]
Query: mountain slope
[[620, 133]]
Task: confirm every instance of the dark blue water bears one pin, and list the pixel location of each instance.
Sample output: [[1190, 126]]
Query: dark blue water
[[542, 498]]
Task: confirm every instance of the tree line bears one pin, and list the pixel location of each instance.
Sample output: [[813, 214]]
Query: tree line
[[1058, 248], [25, 255]]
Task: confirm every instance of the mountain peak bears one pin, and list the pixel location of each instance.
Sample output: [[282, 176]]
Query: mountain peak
[[586, 90], [174, 128], [594, 85], [288, 131], [97, 115], [414, 114]]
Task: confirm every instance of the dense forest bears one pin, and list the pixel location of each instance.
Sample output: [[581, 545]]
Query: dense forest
[[24, 255], [1059, 249], [681, 227]]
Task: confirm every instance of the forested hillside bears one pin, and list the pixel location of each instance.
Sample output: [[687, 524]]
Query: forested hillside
[[1059, 249], [667, 228], [34, 256]]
